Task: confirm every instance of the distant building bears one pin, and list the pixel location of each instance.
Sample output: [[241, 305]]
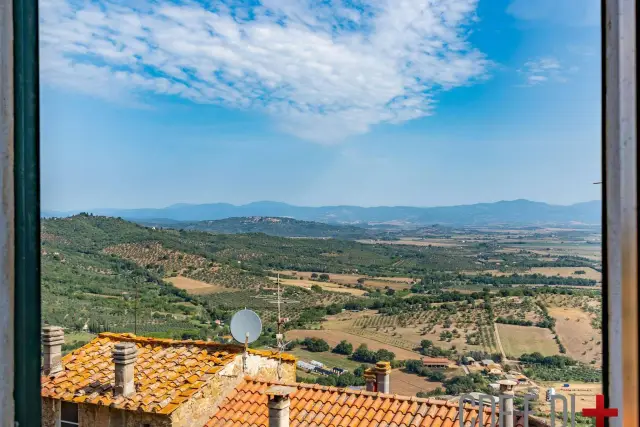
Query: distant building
[[323, 371], [305, 366], [435, 362], [339, 371], [494, 371], [468, 360], [487, 362], [317, 364]]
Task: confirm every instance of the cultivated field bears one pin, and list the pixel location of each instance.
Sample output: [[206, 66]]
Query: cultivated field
[[574, 328], [334, 337], [517, 340], [396, 283], [416, 242], [196, 287], [448, 325], [585, 396], [578, 323], [590, 273], [410, 384], [327, 286]]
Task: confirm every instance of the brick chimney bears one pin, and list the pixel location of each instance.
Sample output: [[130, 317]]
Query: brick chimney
[[279, 403], [383, 371], [506, 402], [52, 340], [370, 379], [124, 358]]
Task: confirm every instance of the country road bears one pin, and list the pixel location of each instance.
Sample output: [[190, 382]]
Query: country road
[[495, 328], [505, 361]]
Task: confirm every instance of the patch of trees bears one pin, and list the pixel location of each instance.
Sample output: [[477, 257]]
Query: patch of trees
[[582, 373], [434, 282], [537, 358], [465, 384], [363, 354], [343, 347], [428, 349], [416, 367], [315, 345], [530, 279], [512, 321]]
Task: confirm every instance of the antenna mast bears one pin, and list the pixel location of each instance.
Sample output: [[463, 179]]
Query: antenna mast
[[279, 303], [280, 343], [135, 308]]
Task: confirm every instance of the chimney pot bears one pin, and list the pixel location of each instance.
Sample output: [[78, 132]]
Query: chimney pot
[[506, 386], [370, 379], [52, 340], [124, 358], [279, 403], [506, 403], [383, 371]]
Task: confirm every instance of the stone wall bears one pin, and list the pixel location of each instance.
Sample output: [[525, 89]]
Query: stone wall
[[203, 404], [102, 416], [50, 412]]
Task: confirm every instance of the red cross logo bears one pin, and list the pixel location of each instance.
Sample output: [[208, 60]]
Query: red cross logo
[[600, 412]]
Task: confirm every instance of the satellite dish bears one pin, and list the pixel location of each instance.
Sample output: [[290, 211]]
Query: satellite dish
[[245, 326]]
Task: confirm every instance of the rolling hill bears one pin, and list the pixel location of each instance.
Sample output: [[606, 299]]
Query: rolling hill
[[520, 212], [273, 226]]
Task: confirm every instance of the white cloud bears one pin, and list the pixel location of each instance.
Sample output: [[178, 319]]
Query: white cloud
[[568, 12], [541, 70], [323, 71]]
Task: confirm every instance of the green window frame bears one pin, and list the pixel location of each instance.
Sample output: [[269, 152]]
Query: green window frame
[[27, 214]]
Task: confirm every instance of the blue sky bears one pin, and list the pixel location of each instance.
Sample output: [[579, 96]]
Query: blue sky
[[317, 102]]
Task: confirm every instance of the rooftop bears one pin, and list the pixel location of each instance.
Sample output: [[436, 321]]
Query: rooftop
[[166, 374], [322, 406]]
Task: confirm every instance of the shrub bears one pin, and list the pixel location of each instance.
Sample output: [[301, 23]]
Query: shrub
[[315, 345], [343, 347]]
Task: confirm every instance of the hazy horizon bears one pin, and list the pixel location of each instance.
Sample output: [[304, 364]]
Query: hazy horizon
[[89, 209]]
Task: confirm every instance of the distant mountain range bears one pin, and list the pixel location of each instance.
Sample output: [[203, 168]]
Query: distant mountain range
[[520, 212]]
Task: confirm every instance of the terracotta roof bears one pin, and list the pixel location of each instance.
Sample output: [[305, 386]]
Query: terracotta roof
[[166, 373], [321, 406]]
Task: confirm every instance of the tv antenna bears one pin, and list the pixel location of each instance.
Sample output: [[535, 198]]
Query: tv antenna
[[246, 327], [280, 342]]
